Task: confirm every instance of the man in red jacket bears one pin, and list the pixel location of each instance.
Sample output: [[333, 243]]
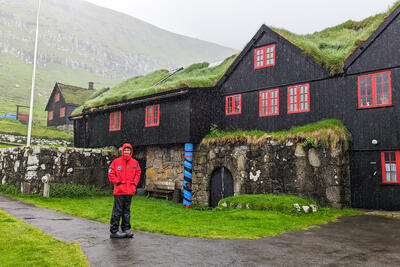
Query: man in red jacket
[[124, 173]]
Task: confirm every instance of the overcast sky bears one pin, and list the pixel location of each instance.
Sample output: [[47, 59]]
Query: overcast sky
[[233, 22]]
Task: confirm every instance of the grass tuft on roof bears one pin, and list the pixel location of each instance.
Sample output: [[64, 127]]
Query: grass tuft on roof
[[195, 75], [332, 46]]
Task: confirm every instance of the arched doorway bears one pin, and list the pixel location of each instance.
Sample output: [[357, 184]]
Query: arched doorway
[[221, 185]]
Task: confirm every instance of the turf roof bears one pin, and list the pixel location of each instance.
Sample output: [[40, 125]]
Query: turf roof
[[329, 48], [73, 94]]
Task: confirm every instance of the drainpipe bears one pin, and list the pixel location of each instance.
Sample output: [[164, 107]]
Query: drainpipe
[[187, 180]]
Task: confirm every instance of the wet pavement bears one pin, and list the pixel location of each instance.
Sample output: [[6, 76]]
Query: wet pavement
[[366, 240]]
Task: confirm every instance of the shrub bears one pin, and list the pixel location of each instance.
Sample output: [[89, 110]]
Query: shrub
[[9, 189], [76, 191]]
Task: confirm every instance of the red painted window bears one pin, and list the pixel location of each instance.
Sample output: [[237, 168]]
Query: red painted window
[[115, 121], [269, 103], [390, 166], [233, 105], [152, 116], [264, 56], [50, 117], [86, 126], [57, 97], [62, 112], [298, 98], [374, 90]]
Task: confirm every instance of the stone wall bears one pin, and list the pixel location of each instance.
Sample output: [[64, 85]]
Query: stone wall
[[19, 139], [25, 166], [276, 167]]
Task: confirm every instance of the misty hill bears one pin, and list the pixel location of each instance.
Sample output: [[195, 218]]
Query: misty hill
[[81, 42]]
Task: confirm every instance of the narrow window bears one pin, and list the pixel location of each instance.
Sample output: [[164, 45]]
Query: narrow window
[[374, 90], [390, 164], [50, 115], [152, 116], [298, 98], [115, 121], [233, 105], [86, 126], [62, 112], [57, 97], [269, 102], [264, 56]]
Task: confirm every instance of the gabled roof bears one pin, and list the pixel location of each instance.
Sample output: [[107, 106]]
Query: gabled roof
[[392, 14], [72, 95]]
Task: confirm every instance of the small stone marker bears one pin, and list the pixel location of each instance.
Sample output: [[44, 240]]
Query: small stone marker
[[296, 206], [306, 209], [224, 204], [314, 208], [46, 186]]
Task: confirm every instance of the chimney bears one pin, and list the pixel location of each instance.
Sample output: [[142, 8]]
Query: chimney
[[91, 86]]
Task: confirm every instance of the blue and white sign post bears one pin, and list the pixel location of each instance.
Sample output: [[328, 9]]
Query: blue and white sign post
[[187, 180]]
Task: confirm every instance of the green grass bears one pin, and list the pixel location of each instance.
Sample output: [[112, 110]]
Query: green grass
[[11, 126], [166, 217], [196, 75], [332, 46], [4, 146], [322, 133], [25, 245]]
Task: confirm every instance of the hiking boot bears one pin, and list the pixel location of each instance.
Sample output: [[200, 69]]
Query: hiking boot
[[129, 233], [118, 235]]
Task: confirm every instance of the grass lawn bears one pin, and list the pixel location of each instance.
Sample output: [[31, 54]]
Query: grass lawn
[[167, 217], [25, 245]]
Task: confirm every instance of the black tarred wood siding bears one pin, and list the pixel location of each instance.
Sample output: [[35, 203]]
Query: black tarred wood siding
[[55, 107]]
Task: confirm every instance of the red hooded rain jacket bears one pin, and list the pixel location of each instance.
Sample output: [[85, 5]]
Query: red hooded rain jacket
[[125, 172]]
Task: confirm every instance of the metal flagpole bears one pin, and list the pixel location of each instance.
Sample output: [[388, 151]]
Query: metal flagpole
[[28, 140]]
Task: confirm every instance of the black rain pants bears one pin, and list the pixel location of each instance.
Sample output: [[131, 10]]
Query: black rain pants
[[122, 208]]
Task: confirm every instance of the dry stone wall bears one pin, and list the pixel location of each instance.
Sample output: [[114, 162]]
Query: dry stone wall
[[24, 167], [19, 139], [276, 167]]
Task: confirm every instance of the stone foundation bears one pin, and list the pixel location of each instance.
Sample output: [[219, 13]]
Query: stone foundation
[[289, 168]]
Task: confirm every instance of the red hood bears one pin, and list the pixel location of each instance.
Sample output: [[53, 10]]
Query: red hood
[[122, 152]]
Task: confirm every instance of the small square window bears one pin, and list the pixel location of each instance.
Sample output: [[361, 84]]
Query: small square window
[[62, 112], [390, 161], [233, 105], [264, 56], [115, 121], [269, 102], [152, 116], [374, 90], [50, 115], [57, 97]]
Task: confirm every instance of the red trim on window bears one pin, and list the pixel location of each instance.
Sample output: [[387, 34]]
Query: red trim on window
[[372, 100], [50, 115], [233, 105], [57, 97], [152, 116], [115, 121], [266, 103], [298, 98], [86, 126], [265, 56], [393, 171], [62, 112]]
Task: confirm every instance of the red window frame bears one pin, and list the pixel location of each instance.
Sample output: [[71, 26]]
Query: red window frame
[[62, 112], [57, 97], [233, 105], [390, 161], [268, 102], [152, 116], [115, 121], [376, 91], [50, 115], [264, 56], [87, 127], [298, 98]]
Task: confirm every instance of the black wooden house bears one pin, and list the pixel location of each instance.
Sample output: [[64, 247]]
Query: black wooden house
[[273, 85], [63, 100]]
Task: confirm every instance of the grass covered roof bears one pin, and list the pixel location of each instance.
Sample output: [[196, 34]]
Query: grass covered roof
[[331, 47]]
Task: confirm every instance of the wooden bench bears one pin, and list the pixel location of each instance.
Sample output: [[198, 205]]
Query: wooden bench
[[161, 189]]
